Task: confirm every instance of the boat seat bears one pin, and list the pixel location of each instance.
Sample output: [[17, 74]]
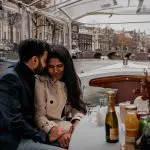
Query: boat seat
[[127, 85]]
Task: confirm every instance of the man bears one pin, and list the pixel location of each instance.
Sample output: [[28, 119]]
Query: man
[[17, 128]]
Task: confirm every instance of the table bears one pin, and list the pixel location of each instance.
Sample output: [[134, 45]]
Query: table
[[89, 136]]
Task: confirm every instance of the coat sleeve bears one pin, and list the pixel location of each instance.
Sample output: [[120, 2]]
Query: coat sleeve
[[40, 107], [76, 115], [11, 114]]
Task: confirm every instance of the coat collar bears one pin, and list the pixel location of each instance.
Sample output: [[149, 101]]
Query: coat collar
[[48, 79], [24, 70]]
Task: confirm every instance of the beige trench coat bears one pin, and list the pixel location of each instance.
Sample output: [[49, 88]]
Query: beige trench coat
[[50, 100]]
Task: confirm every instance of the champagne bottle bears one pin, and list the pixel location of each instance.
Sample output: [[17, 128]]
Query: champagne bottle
[[111, 120]]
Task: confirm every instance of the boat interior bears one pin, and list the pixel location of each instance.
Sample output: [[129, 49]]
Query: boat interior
[[128, 86]]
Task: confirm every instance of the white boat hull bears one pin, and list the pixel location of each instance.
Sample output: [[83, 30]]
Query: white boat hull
[[92, 94]]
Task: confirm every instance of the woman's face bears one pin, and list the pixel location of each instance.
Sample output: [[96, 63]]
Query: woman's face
[[55, 68]]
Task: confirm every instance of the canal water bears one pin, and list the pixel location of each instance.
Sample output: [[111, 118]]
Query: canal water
[[81, 65], [84, 65]]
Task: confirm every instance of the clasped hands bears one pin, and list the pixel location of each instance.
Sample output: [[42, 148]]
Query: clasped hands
[[63, 137]]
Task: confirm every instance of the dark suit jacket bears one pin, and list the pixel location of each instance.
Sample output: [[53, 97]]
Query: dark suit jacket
[[17, 107]]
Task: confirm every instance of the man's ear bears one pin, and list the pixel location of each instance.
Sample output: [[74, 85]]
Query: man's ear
[[34, 59]]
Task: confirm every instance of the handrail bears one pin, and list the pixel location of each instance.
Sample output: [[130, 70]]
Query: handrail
[[129, 86], [118, 78]]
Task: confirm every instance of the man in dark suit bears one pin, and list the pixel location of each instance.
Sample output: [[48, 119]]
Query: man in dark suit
[[17, 127]]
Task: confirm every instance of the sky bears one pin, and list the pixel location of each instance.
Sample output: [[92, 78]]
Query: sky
[[126, 8], [102, 20], [136, 7]]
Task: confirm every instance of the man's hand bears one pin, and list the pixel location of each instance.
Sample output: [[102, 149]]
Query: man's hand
[[64, 140], [55, 133]]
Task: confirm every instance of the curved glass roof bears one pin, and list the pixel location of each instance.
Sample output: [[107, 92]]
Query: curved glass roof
[[72, 10], [93, 11]]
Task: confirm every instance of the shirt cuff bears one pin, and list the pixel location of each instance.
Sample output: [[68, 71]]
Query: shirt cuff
[[77, 116], [47, 127]]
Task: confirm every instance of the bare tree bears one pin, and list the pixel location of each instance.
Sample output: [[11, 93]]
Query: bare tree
[[35, 18], [55, 27], [53, 24], [12, 19], [39, 4], [24, 1], [115, 41]]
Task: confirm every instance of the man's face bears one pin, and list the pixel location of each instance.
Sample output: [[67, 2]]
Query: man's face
[[41, 63]]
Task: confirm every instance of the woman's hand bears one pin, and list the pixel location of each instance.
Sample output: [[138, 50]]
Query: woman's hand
[[55, 133], [64, 140], [74, 126]]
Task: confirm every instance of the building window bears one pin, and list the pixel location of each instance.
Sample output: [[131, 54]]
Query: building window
[[40, 36], [17, 36], [0, 35], [0, 31], [4, 36]]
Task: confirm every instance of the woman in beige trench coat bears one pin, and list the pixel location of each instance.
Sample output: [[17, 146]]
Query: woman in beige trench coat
[[58, 96]]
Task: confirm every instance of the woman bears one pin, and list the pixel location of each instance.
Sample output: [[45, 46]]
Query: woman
[[57, 96]]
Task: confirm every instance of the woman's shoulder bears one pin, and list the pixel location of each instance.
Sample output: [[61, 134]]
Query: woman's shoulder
[[40, 78]]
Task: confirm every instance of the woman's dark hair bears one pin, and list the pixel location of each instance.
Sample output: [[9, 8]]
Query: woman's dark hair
[[70, 78], [31, 47]]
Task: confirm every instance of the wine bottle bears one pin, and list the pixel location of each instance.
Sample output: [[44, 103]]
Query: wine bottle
[[111, 120]]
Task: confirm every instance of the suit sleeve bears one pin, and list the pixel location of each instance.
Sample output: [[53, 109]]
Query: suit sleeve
[[40, 107], [11, 111]]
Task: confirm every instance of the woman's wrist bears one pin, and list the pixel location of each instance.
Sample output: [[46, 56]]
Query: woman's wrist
[[74, 121]]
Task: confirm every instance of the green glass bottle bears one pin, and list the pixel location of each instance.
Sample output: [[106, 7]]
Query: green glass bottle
[[111, 120]]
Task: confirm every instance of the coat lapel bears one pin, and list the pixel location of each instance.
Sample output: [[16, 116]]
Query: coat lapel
[[25, 75], [28, 89]]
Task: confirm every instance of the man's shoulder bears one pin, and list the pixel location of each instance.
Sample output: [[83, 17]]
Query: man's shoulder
[[10, 72]]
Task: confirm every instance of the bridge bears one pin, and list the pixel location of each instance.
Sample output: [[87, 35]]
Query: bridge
[[110, 54]]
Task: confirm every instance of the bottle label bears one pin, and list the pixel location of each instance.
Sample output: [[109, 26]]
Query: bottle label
[[113, 133], [131, 135]]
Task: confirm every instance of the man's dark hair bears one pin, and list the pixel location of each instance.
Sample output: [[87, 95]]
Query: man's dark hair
[[31, 47]]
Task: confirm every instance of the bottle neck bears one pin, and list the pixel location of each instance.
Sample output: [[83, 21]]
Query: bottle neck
[[111, 104]]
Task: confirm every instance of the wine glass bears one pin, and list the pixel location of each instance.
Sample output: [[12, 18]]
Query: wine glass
[[142, 108], [91, 113]]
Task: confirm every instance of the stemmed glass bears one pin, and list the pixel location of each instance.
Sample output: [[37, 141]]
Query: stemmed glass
[[142, 108], [91, 113]]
